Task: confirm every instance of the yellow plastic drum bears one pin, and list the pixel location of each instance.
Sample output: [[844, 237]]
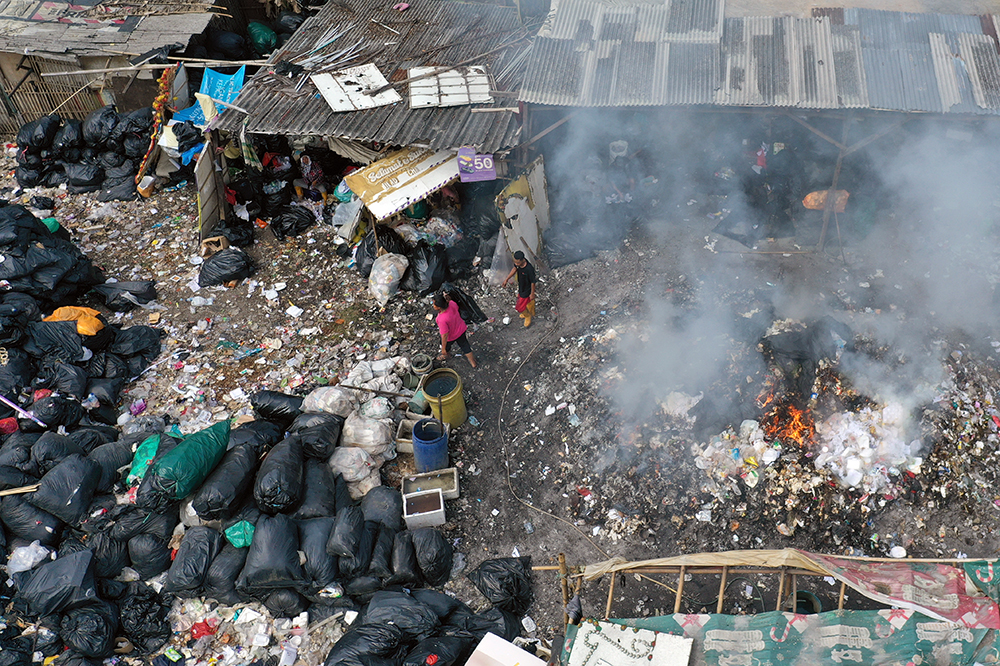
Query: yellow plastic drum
[[443, 390]]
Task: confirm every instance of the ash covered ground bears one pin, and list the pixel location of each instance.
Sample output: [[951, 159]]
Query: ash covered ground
[[586, 440]]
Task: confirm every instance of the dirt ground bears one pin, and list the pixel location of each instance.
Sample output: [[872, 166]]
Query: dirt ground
[[591, 478]]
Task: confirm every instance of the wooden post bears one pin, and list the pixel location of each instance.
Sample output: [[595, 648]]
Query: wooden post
[[680, 589], [781, 589], [722, 590], [611, 595], [795, 593], [564, 583], [831, 193], [840, 599]]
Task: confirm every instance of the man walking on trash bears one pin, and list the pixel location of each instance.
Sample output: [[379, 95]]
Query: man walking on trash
[[526, 280], [452, 328]]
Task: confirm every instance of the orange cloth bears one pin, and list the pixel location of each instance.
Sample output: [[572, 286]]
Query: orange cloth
[[817, 200], [86, 319]]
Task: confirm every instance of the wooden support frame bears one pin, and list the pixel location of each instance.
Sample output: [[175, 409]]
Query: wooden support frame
[[680, 590], [611, 595]]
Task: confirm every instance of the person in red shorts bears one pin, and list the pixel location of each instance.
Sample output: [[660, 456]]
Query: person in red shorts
[[526, 279], [452, 328]]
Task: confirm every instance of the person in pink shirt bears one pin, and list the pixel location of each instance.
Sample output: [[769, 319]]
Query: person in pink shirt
[[452, 328]]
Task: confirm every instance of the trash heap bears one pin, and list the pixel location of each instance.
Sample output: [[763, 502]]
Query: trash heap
[[102, 154], [126, 538]]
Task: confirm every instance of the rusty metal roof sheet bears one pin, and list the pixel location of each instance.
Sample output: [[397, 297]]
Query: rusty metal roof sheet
[[622, 53], [427, 34]]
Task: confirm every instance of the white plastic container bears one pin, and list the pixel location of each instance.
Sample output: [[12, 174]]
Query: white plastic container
[[423, 509]]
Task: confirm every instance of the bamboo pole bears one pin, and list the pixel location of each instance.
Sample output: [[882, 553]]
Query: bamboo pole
[[840, 598], [19, 491], [680, 590], [795, 593], [564, 584], [781, 589], [611, 595], [722, 590]]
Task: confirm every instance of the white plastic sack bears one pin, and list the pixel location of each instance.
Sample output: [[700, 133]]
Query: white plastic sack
[[26, 558], [354, 463], [376, 408], [387, 271], [190, 518], [375, 437], [359, 489], [346, 217], [331, 400], [408, 233]]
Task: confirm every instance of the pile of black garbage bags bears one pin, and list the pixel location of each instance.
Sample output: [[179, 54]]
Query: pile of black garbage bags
[[102, 154], [231, 514]]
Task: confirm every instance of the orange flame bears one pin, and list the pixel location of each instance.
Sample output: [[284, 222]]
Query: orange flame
[[784, 421]]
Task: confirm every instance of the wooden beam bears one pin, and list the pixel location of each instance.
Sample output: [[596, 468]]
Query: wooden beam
[[781, 589], [874, 137], [564, 584], [611, 595], [815, 131], [840, 597], [554, 126], [831, 194]]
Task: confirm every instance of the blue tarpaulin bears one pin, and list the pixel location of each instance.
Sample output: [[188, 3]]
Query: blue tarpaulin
[[221, 87]]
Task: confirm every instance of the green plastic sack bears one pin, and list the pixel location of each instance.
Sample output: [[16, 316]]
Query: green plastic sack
[[417, 210], [144, 455], [240, 534], [181, 470], [52, 224], [263, 38]]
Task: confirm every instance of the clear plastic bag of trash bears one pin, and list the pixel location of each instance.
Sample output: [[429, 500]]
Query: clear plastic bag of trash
[[376, 408], [387, 272], [353, 463], [332, 400], [26, 558], [374, 436]]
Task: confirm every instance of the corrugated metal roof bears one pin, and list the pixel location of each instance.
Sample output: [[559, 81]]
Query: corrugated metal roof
[[370, 31], [839, 58]]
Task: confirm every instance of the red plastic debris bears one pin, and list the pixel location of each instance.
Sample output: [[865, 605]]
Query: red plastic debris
[[8, 425], [203, 628], [39, 394], [431, 659]]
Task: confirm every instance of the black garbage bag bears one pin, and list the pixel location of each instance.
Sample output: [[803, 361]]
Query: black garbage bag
[[275, 406], [144, 618], [428, 269], [357, 563], [221, 493], [285, 603], [237, 230], [127, 169], [188, 135], [320, 567], [504, 624], [405, 570], [96, 519], [289, 22], [112, 458], [279, 481], [29, 157], [128, 521], [292, 221], [444, 605], [83, 174], [16, 312], [118, 189], [91, 629], [29, 522], [53, 411], [220, 581], [259, 434], [57, 340], [106, 390], [319, 494], [16, 452], [66, 490], [467, 306], [125, 296], [362, 587], [63, 378], [57, 586], [367, 645], [320, 441], [441, 650], [136, 145], [506, 582], [110, 556], [197, 550], [347, 530], [381, 564], [138, 345], [149, 555], [225, 266], [307, 420], [109, 159], [38, 134], [82, 189], [29, 177], [134, 122], [434, 556], [70, 135], [378, 237], [225, 45], [11, 477], [798, 353], [99, 126], [273, 560], [415, 619], [384, 505], [88, 437], [51, 449]]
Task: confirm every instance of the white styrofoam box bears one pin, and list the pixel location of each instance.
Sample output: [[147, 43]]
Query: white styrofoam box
[[423, 509]]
